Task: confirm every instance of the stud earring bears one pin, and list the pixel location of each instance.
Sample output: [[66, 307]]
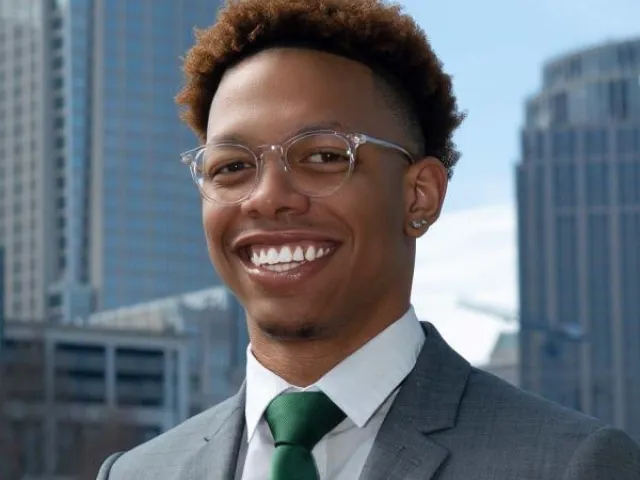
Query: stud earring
[[418, 224]]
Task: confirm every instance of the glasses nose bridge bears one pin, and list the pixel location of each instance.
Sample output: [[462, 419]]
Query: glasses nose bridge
[[276, 150]]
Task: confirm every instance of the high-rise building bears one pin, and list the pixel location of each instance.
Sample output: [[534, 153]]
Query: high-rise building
[[578, 186], [96, 211], [1, 301]]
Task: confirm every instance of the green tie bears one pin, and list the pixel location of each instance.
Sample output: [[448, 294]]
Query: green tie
[[298, 421]]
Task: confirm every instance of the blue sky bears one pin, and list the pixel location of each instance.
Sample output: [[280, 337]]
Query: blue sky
[[495, 50]]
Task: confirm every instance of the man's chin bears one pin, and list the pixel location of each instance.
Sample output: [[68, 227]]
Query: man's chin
[[291, 331]]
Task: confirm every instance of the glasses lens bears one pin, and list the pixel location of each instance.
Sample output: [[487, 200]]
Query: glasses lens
[[320, 163], [225, 173]]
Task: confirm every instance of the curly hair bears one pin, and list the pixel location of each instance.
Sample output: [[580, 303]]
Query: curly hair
[[372, 32]]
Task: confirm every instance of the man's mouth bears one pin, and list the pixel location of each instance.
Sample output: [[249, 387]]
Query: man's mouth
[[287, 257]]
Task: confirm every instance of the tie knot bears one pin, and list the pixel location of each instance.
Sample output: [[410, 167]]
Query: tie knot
[[302, 418]]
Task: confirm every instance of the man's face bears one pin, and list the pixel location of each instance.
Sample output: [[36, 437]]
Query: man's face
[[367, 258]]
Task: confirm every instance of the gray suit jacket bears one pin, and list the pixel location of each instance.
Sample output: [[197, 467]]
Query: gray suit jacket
[[449, 422]]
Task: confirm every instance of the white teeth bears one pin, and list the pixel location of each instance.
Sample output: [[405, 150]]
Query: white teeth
[[298, 255], [310, 254], [282, 267], [272, 256], [285, 255]]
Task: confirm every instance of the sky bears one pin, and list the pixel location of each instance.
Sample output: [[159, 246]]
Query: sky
[[495, 51]]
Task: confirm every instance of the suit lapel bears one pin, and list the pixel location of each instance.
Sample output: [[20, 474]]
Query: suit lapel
[[217, 458], [427, 403]]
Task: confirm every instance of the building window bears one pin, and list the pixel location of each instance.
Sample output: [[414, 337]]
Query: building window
[[618, 99], [597, 183], [140, 377], [629, 183], [567, 268], [563, 144], [628, 56], [533, 144], [559, 109], [55, 300], [628, 141], [564, 185], [596, 142]]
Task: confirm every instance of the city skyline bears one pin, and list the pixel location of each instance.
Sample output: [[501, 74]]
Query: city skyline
[[97, 210], [503, 39], [471, 190], [495, 51]]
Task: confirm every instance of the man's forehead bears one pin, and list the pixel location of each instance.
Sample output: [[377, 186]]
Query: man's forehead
[[236, 135], [274, 100], [274, 66]]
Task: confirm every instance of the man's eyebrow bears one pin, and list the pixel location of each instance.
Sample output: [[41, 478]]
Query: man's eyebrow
[[329, 125], [234, 137]]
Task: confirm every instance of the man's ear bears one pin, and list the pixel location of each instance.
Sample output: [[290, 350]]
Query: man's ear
[[425, 190]]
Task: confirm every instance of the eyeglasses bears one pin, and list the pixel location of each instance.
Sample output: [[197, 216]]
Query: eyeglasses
[[317, 164]]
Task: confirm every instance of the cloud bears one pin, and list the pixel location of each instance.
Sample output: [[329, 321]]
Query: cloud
[[472, 254]]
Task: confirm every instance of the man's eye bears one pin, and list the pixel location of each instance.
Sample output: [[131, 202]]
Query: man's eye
[[232, 167], [227, 168], [327, 157]]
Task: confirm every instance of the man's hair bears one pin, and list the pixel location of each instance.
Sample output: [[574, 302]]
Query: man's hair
[[372, 32]]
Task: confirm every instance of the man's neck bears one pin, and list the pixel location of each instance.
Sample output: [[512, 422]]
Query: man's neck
[[303, 362]]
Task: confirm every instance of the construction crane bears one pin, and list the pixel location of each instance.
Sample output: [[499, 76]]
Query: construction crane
[[555, 333], [506, 317]]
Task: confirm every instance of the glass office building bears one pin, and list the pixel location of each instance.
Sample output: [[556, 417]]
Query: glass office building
[[96, 211], [578, 187]]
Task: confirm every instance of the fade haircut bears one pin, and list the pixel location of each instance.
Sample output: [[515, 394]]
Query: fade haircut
[[372, 32]]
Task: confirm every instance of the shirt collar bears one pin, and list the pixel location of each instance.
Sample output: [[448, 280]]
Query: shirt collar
[[359, 384]]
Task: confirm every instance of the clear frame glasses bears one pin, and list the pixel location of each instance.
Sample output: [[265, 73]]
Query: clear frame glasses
[[317, 164]]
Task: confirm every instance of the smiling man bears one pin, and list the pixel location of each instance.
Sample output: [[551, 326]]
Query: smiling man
[[326, 131]]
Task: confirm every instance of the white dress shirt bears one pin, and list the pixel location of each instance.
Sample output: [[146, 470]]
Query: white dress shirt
[[363, 386]]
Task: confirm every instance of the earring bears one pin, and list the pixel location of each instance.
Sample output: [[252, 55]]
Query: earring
[[418, 224]]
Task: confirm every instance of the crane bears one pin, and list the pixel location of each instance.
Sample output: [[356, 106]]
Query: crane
[[506, 317], [554, 333]]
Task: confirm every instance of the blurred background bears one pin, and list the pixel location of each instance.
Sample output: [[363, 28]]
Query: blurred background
[[113, 324]]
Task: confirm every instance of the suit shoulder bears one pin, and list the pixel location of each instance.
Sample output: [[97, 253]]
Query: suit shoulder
[[526, 411], [178, 441], [530, 437], [606, 453]]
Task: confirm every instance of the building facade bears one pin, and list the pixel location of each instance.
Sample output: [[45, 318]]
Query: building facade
[[72, 395], [96, 211], [578, 187], [213, 322], [2, 321]]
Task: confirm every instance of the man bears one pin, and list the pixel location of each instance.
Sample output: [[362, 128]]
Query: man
[[326, 129]]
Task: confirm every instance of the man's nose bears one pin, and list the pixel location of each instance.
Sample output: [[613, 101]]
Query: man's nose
[[274, 193]]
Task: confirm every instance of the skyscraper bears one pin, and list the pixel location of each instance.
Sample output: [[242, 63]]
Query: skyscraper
[[96, 210], [578, 188]]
